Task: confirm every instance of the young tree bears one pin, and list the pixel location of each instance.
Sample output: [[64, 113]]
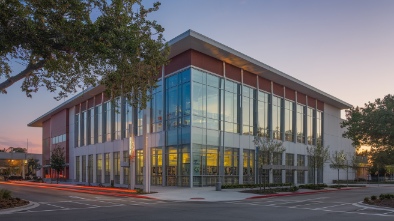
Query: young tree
[[32, 166], [338, 161], [318, 155], [58, 160], [265, 149], [65, 45]]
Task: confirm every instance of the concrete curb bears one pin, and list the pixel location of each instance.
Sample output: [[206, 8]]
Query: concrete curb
[[31, 205], [366, 206], [293, 194]]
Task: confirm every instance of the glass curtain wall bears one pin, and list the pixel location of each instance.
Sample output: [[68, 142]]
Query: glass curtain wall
[[84, 168], [263, 102], [178, 113], [126, 170], [92, 126], [157, 108], [300, 173], [99, 168], [206, 165], [157, 166], [128, 110], [99, 111], [117, 118], [247, 110], [116, 164], [276, 118], [289, 172], [288, 118], [77, 169], [231, 165], [300, 123], [139, 167], [90, 169], [107, 172], [319, 126], [249, 166], [309, 125], [231, 104]]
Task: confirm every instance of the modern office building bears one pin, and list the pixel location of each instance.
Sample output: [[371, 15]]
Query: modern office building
[[210, 102]]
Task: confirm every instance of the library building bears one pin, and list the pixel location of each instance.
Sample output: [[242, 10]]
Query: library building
[[198, 128]]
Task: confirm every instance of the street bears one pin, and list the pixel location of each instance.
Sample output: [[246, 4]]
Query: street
[[63, 205]]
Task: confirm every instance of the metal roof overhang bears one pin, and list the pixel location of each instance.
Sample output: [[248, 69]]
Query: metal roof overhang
[[82, 96], [196, 41], [193, 40]]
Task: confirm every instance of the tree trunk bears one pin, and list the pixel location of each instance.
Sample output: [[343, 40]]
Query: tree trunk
[[29, 69]]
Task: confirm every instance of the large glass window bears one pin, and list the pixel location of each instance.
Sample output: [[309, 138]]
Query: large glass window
[[206, 100], [247, 110], [319, 126], [84, 168], [157, 108], [108, 120], [99, 112], [128, 109], [139, 167], [301, 177], [288, 118], [231, 165], [276, 117], [231, 104], [263, 102], [77, 129], [289, 159], [107, 173], [91, 125], [126, 170], [157, 165], [77, 169], [178, 108], [277, 158], [300, 160], [300, 123], [90, 169], [309, 126], [248, 167], [116, 162], [205, 162], [117, 118], [99, 167]]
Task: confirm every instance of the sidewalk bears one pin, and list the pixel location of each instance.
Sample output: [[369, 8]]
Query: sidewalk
[[206, 194]]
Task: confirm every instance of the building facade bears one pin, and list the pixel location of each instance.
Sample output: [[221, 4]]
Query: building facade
[[199, 127]]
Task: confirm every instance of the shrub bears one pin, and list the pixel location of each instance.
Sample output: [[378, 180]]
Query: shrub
[[366, 200], [5, 194], [373, 197]]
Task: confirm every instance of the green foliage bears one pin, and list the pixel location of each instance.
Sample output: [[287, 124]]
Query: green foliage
[[373, 197], [66, 45], [386, 196], [371, 125], [58, 160], [318, 155], [366, 200], [236, 186], [313, 186], [5, 194]]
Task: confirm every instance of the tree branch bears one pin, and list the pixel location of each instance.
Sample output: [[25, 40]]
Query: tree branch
[[29, 69]]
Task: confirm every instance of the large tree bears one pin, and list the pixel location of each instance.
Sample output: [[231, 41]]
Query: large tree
[[371, 125], [58, 161], [66, 45]]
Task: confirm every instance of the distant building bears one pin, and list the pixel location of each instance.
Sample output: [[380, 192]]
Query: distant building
[[209, 103], [13, 163]]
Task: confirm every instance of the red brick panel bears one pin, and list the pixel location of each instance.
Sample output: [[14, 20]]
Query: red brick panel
[[311, 102], [46, 129], [59, 123], [233, 72], [83, 105], [320, 105], [206, 62], [264, 84], [98, 99], [250, 79], [178, 62], [301, 98], [290, 94], [90, 103], [278, 89]]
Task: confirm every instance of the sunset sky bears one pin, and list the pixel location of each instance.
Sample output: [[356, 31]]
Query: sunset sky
[[342, 47]]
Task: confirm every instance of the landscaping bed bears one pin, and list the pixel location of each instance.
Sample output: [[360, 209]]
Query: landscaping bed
[[386, 200], [7, 201]]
